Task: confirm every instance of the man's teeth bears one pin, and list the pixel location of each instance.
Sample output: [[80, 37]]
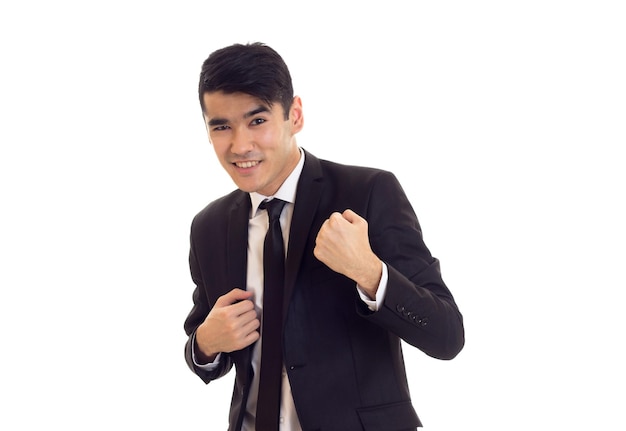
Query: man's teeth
[[246, 164]]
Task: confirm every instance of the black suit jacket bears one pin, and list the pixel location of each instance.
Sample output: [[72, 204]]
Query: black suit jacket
[[344, 362]]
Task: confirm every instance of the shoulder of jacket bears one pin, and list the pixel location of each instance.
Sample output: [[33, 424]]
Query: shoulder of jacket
[[220, 208]]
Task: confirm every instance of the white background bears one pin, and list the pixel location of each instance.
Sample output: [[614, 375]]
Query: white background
[[504, 121]]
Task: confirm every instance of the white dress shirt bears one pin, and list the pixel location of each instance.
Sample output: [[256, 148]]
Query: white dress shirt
[[257, 228]]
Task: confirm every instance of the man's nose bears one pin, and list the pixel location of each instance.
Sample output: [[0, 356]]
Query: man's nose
[[242, 141]]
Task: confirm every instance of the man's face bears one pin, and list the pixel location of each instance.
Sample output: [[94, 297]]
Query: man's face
[[253, 141]]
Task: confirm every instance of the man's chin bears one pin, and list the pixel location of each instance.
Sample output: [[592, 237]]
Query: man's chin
[[246, 186]]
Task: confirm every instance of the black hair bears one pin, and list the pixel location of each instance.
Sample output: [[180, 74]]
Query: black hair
[[254, 69]]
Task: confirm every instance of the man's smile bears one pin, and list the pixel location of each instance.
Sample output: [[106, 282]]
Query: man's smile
[[247, 164]]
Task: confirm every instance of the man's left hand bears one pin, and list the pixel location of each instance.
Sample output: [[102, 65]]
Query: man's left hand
[[343, 245]]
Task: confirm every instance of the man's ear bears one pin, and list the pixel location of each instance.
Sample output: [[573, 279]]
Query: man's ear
[[296, 115]]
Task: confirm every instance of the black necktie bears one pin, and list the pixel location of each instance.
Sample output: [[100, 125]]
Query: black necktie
[[268, 401]]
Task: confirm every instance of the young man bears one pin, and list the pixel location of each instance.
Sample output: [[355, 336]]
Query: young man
[[357, 278]]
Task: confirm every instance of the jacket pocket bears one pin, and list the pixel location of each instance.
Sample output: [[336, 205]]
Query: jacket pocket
[[389, 417]]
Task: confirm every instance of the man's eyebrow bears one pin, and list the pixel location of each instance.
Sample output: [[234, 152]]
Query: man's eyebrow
[[255, 111], [217, 122]]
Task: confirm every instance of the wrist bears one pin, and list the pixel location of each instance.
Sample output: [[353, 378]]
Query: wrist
[[369, 281], [200, 356]]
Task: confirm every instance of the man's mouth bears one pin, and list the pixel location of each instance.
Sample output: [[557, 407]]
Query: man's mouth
[[247, 164]]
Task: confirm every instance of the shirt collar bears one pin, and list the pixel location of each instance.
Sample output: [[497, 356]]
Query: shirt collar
[[287, 190]]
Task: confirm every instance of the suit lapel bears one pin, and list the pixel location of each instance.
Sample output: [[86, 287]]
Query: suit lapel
[[237, 258], [308, 195], [237, 243]]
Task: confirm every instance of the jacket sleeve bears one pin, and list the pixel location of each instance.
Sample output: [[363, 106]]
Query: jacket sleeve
[[418, 306]]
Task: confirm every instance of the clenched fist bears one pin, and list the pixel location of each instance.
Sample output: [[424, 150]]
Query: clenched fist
[[343, 245]]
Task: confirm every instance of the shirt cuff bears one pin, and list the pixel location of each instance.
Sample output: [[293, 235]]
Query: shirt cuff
[[206, 367], [374, 305]]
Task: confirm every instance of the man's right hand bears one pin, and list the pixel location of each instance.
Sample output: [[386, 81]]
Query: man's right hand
[[231, 325]]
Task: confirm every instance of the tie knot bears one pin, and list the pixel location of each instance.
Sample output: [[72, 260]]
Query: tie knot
[[274, 207]]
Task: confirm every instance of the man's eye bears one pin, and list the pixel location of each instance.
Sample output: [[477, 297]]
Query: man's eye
[[258, 121], [219, 128]]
